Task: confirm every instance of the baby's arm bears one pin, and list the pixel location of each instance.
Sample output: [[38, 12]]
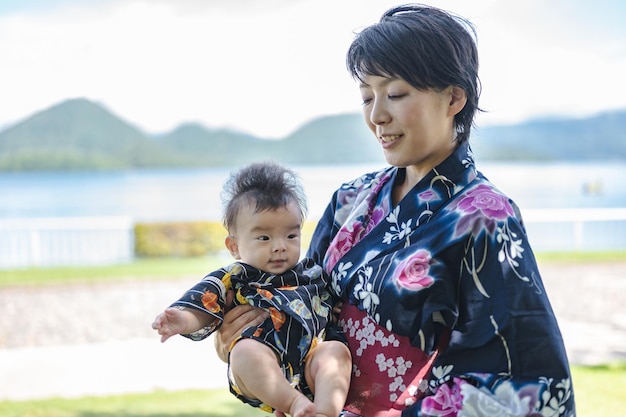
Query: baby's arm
[[175, 321]]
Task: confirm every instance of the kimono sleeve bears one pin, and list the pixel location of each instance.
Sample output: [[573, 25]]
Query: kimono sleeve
[[506, 355], [323, 233], [209, 297]]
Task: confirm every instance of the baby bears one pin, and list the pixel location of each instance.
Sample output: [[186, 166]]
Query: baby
[[284, 364]]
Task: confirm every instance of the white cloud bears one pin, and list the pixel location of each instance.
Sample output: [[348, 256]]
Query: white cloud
[[269, 69]]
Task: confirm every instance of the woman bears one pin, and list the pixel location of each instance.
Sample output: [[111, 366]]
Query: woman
[[444, 308]]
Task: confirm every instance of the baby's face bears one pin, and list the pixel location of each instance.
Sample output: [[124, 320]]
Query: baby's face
[[268, 240]]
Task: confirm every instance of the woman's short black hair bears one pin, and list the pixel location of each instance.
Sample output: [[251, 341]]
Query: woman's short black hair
[[428, 47]]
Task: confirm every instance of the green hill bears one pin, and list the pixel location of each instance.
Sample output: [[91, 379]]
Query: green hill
[[338, 139], [76, 134], [328, 140], [80, 134], [600, 137], [200, 146]]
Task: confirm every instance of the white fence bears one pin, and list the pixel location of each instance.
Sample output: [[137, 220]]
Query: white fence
[[46, 242], [556, 230], [42, 242]]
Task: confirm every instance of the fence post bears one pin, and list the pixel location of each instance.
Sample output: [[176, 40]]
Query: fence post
[[34, 238]]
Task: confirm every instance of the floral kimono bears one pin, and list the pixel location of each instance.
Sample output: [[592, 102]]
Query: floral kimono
[[297, 301], [445, 312]]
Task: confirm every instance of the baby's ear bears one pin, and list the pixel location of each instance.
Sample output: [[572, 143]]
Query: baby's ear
[[231, 244]]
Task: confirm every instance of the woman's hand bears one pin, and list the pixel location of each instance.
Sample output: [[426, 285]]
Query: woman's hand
[[336, 311], [235, 321]]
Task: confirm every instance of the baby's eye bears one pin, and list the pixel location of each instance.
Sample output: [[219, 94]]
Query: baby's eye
[[293, 236], [263, 238]]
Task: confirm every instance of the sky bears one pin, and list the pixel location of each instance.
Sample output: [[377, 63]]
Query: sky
[[266, 67]]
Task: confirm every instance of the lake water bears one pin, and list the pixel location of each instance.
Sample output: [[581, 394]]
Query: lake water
[[163, 195]]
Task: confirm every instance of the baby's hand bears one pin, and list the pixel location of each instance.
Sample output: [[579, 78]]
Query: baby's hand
[[169, 323]]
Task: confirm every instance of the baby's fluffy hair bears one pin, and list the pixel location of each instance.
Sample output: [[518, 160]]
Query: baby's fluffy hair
[[266, 186]]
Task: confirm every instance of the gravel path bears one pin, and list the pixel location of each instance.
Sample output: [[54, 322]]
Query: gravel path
[[111, 322], [84, 313], [587, 294]]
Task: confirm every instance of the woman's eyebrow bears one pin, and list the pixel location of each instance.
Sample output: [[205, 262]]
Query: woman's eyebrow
[[383, 83]]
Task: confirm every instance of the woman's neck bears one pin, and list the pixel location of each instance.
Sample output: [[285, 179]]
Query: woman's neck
[[402, 185]]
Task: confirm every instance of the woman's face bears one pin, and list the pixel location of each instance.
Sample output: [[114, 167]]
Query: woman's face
[[414, 127]]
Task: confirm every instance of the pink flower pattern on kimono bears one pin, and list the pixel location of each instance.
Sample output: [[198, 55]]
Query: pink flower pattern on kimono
[[481, 207], [463, 222], [343, 242], [412, 273], [347, 237], [377, 215], [428, 195], [446, 402]]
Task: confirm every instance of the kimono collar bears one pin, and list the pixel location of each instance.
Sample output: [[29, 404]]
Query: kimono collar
[[447, 178], [362, 213]]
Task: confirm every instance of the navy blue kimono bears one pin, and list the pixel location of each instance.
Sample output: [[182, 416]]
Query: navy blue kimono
[[446, 313]]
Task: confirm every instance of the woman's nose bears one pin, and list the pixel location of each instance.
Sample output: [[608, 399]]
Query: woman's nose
[[378, 113]]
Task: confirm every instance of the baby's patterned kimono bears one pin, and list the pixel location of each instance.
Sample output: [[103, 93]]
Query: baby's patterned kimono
[[297, 301]]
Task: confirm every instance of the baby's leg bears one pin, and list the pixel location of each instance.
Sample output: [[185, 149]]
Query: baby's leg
[[255, 369], [327, 373]]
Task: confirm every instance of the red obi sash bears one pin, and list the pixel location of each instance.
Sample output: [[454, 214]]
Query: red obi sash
[[388, 374]]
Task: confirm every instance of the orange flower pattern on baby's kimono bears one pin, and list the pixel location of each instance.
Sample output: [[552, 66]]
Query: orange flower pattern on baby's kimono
[[210, 301], [264, 293], [290, 288], [278, 318], [297, 302]]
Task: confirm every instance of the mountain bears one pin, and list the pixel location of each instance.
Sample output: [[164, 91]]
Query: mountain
[[338, 139], [200, 146], [327, 140], [76, 134], [600, 137], [81, 134]]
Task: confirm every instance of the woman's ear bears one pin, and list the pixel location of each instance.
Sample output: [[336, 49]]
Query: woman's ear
[[231, 244], [458, 98]]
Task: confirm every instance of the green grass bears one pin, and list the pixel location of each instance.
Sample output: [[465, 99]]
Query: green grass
[[166, 268], [192, 403], [599, 392], [581, 257]]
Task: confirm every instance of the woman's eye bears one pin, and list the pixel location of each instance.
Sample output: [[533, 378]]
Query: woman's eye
[[396, 96], [366, 101]]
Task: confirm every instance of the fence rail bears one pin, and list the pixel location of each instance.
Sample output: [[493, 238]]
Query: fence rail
[[43, 242], [584, 230]]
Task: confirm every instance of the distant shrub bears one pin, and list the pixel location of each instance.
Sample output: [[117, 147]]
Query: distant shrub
[[189, 239], [178, 239], [307, 233]]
